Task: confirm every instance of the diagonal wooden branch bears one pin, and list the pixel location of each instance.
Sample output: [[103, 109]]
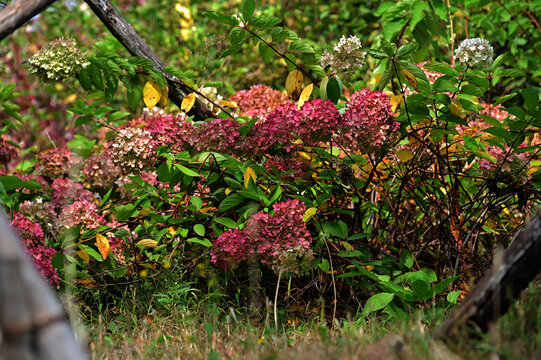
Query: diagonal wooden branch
[[124, 32], [491, 297], [17, 13]]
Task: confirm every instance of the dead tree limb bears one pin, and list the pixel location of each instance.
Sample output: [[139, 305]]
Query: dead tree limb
[[124, 32], [491, 297], [33, 325], [17, 13]]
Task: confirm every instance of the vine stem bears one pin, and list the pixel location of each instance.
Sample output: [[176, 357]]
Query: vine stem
[[282, 55]]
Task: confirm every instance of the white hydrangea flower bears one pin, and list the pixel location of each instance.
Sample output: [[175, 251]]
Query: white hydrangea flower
[[212, 94], [347, 55], [475, 52], [58, 60]]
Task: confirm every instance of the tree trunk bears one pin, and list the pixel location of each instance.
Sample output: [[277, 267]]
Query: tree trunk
[[124, 32], [33, 324], [17, 13]]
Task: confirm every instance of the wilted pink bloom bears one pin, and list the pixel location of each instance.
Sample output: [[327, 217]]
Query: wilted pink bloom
[[259, 101]]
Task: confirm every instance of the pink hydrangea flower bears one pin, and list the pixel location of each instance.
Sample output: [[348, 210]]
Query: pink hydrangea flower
[[508, 164], [278, 128], [66, 191], [319, 121], [368, 123], [42, 257], [31, 232], [100, 171], [258, 101], [290, 169], [83, 213], [275, 239], [55, 162], [133, 149], [220, 135]]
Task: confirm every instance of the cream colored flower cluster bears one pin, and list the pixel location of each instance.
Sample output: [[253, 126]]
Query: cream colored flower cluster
[[58, 60], [476, 52], [347, 55]]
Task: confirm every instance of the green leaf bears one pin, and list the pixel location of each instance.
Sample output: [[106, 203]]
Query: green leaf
[[406, 50], [452, 297], [499, 132], [377, 54], [437, 289], [247, 7], [388, 48], [440, 9], [199, 229], [385, 78], [246, 127], [338, 229], [531, 99], [92, 252], [377, 302], [117, 115], [186, 171], [300, 46], [221, 18], [227, 222], [70, 236], [441, 68], [406, 259], [204, 242], [324, 265], [196, 202], [265, 22], [231, 201], [334, 89]]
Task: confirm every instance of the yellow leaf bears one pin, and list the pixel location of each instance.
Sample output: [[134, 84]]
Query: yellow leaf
[[304, 155], [309, 213], [230, 104], [294, 84], [369, 267], [70, 99], [411, 78], [305, 95], [531, 170], [165, 96], [347, 245], [152, 94], [187, 102], [455, 107], [148, 242], [84, 255], [404, 155], [395, 100], [228, 191], [103, 245], [171, 231], [249, 173], [88, 283]]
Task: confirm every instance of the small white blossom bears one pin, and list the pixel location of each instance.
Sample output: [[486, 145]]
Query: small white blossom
[[476, 52], [347, 55]]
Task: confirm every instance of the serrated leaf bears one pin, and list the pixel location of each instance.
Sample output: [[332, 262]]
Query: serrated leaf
[[148, 243], [294, 83], [152, 94], [247, 7], [334, 89], [305, 95], [395, 100], [103, 246], [300, 46], [249, 173], [406, 49], [221, 18], [186, 171], [309, 213], [187, 102]]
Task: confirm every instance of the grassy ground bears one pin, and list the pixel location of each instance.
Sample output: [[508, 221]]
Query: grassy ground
[[203, 332]]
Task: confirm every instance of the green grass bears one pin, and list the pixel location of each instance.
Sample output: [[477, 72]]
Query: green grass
[[183, 326]]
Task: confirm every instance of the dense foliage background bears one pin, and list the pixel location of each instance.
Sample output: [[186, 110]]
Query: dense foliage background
[[338, 177]]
